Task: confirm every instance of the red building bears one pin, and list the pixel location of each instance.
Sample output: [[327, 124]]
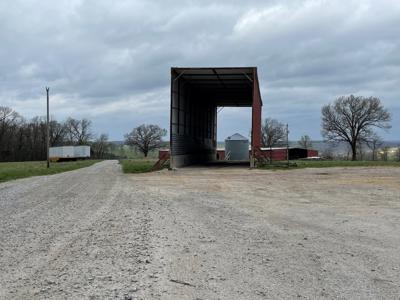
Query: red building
[[278, 153]]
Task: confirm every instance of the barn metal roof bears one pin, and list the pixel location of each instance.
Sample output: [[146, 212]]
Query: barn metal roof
[[237, 137], [223, 85]]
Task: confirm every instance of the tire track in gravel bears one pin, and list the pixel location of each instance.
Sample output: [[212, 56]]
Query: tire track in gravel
[[200, 233], [79, 234], [228, 234]]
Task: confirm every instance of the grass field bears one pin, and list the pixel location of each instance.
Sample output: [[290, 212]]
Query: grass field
[[128, 152], [15, 170], [329, 163], [345, 163], [137, 165]]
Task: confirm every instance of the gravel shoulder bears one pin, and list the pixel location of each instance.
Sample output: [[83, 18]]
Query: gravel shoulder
[[202, 233]]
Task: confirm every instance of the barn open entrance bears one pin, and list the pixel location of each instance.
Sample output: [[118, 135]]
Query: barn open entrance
[[233, 135], [196, 96]]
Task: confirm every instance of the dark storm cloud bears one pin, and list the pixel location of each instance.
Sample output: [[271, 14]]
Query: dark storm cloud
[[110, 61]]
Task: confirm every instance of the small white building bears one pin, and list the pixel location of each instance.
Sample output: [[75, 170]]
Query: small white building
[[69, 152]]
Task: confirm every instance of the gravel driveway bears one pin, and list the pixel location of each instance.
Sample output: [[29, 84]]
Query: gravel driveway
[[202, 233]]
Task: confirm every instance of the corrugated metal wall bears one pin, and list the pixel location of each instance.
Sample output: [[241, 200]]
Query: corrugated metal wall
[[193, 123]]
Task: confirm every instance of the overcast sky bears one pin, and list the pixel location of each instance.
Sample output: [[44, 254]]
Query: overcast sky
[[110, 61]]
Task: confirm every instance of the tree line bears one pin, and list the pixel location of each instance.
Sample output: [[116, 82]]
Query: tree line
[[24, 140]]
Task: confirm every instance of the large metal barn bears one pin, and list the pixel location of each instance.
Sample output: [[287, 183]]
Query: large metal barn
[[196, 93]]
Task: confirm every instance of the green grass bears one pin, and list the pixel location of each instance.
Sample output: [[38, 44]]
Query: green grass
[[344, 163], [15, 170], [137, 165], [128, 152], [329, 163]]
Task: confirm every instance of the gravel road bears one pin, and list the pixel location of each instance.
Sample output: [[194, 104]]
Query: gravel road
[[202, 233]]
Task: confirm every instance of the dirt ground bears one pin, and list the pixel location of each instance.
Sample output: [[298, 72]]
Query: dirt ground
[[202, 233]]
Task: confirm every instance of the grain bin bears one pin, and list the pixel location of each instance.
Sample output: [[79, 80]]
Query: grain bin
[[236, 147]]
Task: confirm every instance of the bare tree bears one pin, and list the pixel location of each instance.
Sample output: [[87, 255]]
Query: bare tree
[[8, 115], [273, 133], [327, 153], [79, 131], [305, 142], [145, 138], [374, 142], [352, 118], [69, 126], [385, 153], [57, 133], [37, 137], [8, 119], [360, 149], [100, 146], [398, 153]]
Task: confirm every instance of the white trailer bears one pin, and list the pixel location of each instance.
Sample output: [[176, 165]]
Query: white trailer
[[69, 152], [82, 151]]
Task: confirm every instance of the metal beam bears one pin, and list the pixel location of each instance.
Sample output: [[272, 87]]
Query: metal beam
[[219, 78], [179, 75], [250, 84], [210, 74]]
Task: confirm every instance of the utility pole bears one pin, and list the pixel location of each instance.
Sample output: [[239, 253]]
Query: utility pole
[[287, 143], [47, 130]]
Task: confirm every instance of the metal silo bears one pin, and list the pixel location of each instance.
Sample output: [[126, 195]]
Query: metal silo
[[236, 147]]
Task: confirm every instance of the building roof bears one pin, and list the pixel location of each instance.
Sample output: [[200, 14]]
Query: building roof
[[231, 86], [237, 137]]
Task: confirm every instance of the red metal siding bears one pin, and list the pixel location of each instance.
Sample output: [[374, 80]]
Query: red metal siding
[[220, 154], [163, 154], [277, 154], [312, 153]]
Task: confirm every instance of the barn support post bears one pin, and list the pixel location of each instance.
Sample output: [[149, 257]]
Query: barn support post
[[171, 162], [256, 122]]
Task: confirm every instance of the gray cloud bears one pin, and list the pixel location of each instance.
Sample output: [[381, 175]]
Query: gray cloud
[[110, 61]]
